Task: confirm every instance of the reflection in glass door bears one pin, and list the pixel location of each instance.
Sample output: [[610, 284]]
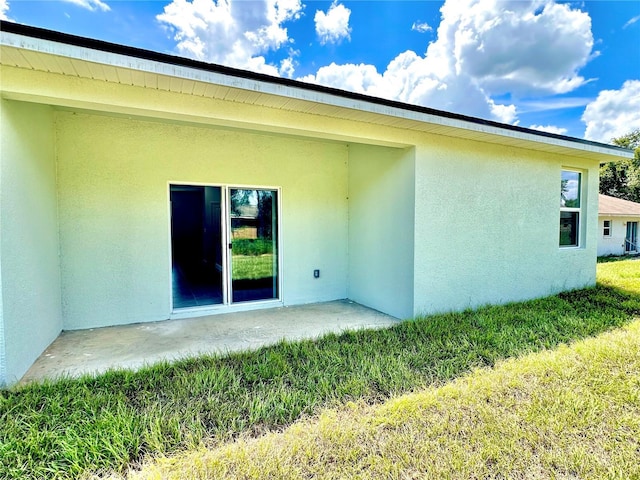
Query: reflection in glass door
[[253, 238]]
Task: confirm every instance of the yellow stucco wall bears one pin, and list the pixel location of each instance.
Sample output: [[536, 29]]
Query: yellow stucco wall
[[448, 223], [113, 176], [30, 310], [381, 228]]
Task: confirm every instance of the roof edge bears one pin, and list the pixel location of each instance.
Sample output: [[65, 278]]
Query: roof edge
[[109, 47], [618, 215]]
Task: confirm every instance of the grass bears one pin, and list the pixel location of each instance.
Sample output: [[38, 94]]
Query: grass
[[252, 267], [109, 422], [571, 412], [252, 246], [620, 274]]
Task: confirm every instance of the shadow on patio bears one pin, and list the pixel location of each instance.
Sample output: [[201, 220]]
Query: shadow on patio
[[96, 350]]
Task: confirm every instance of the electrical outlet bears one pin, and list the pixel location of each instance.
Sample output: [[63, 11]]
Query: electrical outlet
[[316, 274]]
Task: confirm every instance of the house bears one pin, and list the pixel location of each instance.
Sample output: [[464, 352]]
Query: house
[[139, 186], [617, 226]]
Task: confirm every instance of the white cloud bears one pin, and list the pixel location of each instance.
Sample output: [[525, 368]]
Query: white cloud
[[408, 78], [614, 113], [549, 129], [631, 21], [483, 48], [554, 103], [231, 32], [4, 8], [422, 27], [503, 113], [92, 5], [287, 67], [516, 46], [333, 26], [355, 78]]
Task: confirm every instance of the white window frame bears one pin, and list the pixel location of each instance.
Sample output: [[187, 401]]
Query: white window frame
[[607, 225], [578, 210]]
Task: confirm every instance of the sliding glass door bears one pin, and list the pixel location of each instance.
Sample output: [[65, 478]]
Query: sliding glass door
[[196, 246], [253, 244], [224, 245]]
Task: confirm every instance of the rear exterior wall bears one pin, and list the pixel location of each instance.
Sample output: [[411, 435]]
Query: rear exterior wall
[[437, 224], [113, 186], [381, 228], [487, 225], [30, 313]]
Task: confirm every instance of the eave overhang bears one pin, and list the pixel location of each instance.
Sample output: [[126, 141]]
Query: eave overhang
[[36, 49]]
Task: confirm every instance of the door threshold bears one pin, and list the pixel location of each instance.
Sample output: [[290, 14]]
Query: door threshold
[[191, 312]]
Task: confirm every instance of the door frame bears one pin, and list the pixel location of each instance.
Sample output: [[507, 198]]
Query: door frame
[[226, 306]]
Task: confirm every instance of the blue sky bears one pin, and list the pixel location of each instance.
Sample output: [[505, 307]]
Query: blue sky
[[566, 67]]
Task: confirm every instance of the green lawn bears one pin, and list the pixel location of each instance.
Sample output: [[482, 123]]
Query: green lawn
[[572, 412], [252, 267], [620, 274], [108, 423]]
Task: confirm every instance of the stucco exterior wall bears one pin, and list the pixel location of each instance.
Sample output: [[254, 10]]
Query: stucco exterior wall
[[31, 313], [487, 226], [614, 244], [398, 219], [113, 177], [381, 228]]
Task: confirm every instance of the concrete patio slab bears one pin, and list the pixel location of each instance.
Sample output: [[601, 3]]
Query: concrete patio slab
[[96, 350]]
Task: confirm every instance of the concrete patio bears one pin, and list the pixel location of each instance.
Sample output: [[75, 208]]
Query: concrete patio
[[96, 350]]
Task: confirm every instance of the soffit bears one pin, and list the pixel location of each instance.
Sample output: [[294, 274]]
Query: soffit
[[70, 60]]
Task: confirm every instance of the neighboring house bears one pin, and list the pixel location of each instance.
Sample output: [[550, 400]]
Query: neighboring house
[[618, 226], [137, 186]]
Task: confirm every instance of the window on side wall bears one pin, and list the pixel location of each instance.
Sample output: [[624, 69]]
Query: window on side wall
[[606, 228], [570, 208]]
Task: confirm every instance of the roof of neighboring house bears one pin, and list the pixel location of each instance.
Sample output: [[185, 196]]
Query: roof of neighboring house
[[617, 207], [56, 52]]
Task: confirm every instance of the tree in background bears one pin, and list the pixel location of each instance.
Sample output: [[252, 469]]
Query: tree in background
[[621, 179]]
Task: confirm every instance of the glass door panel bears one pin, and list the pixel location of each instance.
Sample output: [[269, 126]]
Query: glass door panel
[[196, 246], [253, 244]]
